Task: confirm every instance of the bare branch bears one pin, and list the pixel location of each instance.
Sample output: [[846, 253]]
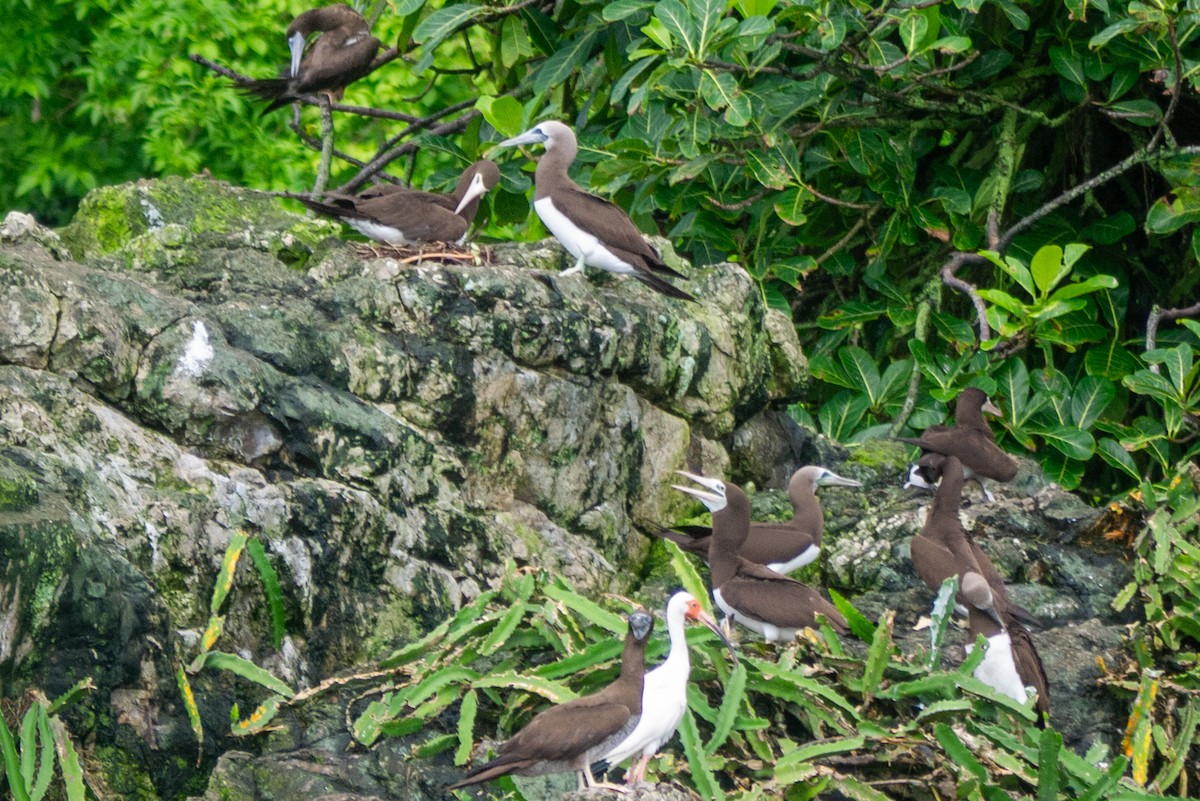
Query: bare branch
[[1158, 315], [951, 279]]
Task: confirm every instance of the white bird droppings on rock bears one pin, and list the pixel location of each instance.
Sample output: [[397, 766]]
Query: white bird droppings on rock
[[197, 354]]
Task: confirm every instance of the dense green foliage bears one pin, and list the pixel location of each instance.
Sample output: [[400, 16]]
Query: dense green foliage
[[862, 160]]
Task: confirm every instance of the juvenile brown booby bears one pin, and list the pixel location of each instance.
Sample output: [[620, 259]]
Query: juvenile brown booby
[[970, 439], [942, 549], [593, 230], [664, 692], [571, 736], [762, 600], [342, 54], [401, 216], [784, 546]]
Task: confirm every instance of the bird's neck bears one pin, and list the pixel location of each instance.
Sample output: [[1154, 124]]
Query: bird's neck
[[679, 648], [552, 169], [806, 513]]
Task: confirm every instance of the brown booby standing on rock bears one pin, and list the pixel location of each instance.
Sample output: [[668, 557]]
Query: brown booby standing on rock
[[784, 546], [760, 599], [664, 692], [401, 216], [970, 439], [573, 735], [593, 230], [342, 54], [942, 549]]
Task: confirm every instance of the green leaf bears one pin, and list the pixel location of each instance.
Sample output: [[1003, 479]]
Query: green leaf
[[1172, 212], [1178, 361], [860, 368], [731, 702], [706, 15], [623, 9], [189, 705], [1111, 360], [45, 772], [688, 576], [444, 21], [943, 612], [1114, 773], [68, 761], [12, 763], [28, 739], [504, 629], [1068, 440], [586, 608], [466, 727], [702, 776], [228, 565], [1068, 65], [1049, 745], [792, 204], [1112, 452], [860, 626], [248, 670], [1047, 268], [841, 415], [814, 751], [678, 22], [1111, 229], [271, 589], [1093, 284], [504, 114], [550, 690], [1145, 113], [1114, 30], [913, 27], [569, 57], [718, 89], [1092, 395], [877, 655], [259, 719], [960, 756], [1145, 382]]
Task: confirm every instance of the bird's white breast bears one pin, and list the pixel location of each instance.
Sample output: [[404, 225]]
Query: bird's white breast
[[578, 242], [998, 669], [380, 233], [769, 631]]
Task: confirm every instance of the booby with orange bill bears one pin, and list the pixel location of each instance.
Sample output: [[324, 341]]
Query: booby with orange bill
[[571, 736], [664, 693]]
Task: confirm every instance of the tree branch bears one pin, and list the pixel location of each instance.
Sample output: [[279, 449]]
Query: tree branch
[[1158, 315], [951, 279]]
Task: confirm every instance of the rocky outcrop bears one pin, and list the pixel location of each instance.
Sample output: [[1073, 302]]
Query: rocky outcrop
[[188, 359]]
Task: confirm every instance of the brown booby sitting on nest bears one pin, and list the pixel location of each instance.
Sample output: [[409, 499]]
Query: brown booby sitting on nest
[[942, 549], [970, 439], [401, 216], [573, 735], [342, 54], [593, 230], [784, 546], [760, 599]]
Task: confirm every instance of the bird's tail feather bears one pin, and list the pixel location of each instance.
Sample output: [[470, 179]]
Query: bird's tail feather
[[272, 90], [659, 285]]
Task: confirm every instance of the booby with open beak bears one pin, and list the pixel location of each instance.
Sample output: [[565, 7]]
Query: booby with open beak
[[784, 546], [571, 736], [593, 230], [402, 216], [664, 693], [342, 54], [762, 600]]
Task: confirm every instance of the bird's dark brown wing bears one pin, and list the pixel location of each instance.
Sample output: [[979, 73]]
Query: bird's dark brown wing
[[763, 594], [567, 731], [613, 227], [337, 59], [1030, 668], [696, 544], [424, 216]]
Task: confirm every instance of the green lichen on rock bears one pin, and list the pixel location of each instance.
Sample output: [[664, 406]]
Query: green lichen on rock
[[149, 224], [18, 489]]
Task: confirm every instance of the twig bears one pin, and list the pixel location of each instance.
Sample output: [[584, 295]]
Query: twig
[[1159, 314], [951, 279], [920, 333], [326, 149], [739, 205]]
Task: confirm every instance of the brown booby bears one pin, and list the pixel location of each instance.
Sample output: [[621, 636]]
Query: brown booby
[[593, 230], [762, 600], [571, 736], [402, 216], [783, 546], [342, 54], [664, 692], [970, 439], [1011, 664], [942, 549]]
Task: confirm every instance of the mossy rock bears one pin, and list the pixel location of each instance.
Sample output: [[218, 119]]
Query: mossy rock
[[18, 490], [145, 219]]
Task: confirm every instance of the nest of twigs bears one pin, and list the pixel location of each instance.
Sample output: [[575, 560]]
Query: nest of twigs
[[440, 252]]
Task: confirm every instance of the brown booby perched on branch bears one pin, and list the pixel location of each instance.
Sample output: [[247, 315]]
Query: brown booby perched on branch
[[942, 549], [760, 599], [784, 546], [402, 216], [573, 735], [342, 54], [970, 439], [593, 230]]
